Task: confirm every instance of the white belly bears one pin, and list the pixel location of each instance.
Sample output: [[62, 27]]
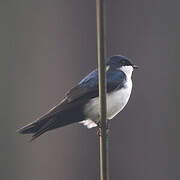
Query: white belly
[[116, 101]]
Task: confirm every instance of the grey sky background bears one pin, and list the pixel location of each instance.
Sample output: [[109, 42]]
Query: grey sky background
[[46, 47]]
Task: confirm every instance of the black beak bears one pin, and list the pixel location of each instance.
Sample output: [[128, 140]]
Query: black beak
[[135, 66]]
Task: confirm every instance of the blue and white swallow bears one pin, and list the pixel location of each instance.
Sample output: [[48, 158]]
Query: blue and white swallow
[[80, 104]]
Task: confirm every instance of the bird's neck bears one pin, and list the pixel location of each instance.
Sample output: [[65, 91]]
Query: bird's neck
[[127, 70]]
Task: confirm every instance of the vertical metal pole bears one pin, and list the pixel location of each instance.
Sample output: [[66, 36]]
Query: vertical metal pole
[[104, 169]]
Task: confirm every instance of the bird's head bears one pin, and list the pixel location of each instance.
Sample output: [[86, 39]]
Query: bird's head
[[119, 62]]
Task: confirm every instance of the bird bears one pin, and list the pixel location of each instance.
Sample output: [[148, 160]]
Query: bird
[[81, 103]]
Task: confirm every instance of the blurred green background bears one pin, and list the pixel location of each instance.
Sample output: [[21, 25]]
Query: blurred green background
[[47, 46]]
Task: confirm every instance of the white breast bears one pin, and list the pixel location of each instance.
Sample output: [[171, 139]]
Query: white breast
[[116, 101]]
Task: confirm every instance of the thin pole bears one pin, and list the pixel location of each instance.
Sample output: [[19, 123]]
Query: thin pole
[[104, 171]]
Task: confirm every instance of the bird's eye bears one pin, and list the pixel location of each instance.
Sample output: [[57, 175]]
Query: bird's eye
[[124, 62]]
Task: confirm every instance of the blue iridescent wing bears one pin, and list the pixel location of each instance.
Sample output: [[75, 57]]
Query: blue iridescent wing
[[88, 87]]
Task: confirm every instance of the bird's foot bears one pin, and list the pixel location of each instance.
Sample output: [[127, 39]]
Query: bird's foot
[[99, 124], [99, 131]]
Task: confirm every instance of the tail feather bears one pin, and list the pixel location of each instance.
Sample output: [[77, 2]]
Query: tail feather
[[29, 129], [39, 127], [46, 123], [47, 126], [32, 127]]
